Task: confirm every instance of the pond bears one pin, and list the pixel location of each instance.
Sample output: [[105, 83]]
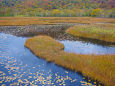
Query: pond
[[19, 66]]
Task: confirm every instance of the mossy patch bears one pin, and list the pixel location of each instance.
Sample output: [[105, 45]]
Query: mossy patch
[[98, 67]]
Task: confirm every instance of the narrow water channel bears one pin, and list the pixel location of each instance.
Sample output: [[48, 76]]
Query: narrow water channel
[[19, 66], [81, 47]]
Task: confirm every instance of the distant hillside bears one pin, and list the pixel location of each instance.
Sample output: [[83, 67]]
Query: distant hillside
[[20, 6], [53, 4]]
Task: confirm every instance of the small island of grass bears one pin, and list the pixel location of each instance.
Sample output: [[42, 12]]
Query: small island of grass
[[98, 67], [104, 32]]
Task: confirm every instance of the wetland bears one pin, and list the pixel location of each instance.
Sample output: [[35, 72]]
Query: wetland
[[20, 66]]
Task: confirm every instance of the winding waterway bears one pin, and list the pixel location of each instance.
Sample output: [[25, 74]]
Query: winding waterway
[[19, 66]]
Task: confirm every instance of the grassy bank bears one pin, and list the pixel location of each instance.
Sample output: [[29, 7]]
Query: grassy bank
[[105, 32], [98, 67], [51, 20]]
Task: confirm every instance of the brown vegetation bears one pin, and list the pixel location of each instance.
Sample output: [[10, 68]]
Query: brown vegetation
[[98, 67], [51, 20], [105, 32]]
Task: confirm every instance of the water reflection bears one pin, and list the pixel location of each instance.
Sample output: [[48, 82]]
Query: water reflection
[[18, 66]]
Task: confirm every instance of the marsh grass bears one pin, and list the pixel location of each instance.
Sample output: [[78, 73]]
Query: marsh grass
[[105, 32], [51, 20], [98, 67]]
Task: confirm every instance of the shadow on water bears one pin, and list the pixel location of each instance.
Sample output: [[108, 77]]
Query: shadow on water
[[56, 31], [61, 35]]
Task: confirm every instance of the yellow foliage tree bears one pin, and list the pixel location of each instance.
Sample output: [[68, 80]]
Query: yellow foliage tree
[[95, 12], [56, 12]]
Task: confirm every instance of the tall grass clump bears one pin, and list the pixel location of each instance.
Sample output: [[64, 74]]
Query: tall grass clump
[[98, 67], [105, 32]]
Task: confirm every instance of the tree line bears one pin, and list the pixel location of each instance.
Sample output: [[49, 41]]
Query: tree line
[[58, 8], [40, 12]]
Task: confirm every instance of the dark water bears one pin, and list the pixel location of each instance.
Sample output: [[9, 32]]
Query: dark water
[[18, 66], [81, 47]]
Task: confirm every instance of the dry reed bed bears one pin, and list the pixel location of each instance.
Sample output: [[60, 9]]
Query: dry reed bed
[[51, 20], [105, 32], [98, 67]]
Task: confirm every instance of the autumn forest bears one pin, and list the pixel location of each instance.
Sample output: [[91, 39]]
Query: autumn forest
[[57, 8]]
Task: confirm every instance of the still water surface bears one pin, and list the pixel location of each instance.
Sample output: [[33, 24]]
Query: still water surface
[[19, 66], [81, 47]]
